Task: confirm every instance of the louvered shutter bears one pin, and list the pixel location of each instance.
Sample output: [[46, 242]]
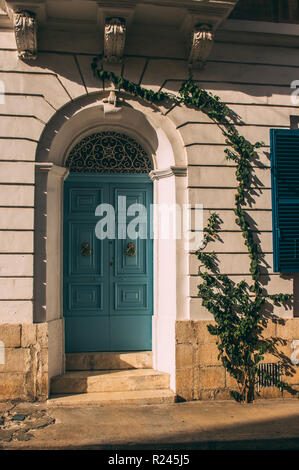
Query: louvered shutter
[[285, 199]]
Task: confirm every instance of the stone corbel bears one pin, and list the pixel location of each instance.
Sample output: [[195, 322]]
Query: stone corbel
[[114, 39], [202, 39], [201, 21], [25, 28], [114, 18]]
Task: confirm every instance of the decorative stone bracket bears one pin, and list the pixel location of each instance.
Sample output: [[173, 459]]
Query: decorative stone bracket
[[199, 26], [25, 28], [202, 40], [114, 39], [114, 18]]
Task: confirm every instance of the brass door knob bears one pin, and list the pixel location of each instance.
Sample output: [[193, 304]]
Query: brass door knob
[[131, 249], [85, 249]]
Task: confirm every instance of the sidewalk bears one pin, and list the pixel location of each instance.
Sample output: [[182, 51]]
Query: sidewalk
[[266, 424]]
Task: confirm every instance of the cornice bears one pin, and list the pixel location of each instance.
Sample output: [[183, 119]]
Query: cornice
[[199, 20]]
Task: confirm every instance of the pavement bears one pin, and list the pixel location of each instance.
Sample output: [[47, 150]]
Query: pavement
[[198, 425]]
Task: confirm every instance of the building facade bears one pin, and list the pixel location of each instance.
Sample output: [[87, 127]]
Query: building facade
[[70, 141]]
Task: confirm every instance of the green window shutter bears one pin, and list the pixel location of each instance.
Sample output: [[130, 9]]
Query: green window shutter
[[285, 199]]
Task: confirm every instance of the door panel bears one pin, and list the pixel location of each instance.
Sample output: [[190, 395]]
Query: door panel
[[85, 297], [130, 265], [132, 276], [130, 296], [82, 201], [132, 330], [80, 264], [107, 289], [88, 334]]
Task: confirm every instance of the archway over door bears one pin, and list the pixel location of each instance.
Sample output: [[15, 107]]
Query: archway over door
[[108, 245], [158, 137]]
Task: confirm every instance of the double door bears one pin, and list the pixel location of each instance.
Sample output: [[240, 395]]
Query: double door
[[108, 263]]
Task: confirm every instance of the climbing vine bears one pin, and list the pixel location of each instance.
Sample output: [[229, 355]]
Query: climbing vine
[[238, 308]]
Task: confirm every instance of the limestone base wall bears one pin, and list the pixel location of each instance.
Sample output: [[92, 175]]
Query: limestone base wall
[[24, 371], [24, 361], [200, 374]]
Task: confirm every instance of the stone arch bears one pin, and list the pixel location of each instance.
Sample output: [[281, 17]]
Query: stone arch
[[158, 136], [154, 131]]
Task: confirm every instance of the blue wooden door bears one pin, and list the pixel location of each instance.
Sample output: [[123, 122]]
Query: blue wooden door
[[108, 283]]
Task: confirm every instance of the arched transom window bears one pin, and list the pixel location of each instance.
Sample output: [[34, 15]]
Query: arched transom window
[[108, 152]]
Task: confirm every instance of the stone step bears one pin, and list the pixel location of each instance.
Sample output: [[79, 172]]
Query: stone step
[[109, 381], [109, 360], [135, 397]]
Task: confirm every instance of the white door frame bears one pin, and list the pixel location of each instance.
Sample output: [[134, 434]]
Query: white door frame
[[158, 136]]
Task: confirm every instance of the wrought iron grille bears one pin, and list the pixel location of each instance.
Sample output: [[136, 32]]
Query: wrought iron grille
[[108, 152], [268, 375]]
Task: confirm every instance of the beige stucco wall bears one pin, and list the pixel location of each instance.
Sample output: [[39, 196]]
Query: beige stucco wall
[[254, 81]]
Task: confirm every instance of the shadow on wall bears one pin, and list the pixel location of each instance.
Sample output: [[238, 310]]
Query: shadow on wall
[[76, 68], [246, 80], [87, 113], [76, 77]]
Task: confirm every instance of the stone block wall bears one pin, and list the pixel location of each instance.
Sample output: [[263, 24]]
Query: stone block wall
[[200, 374], [24, 374]]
